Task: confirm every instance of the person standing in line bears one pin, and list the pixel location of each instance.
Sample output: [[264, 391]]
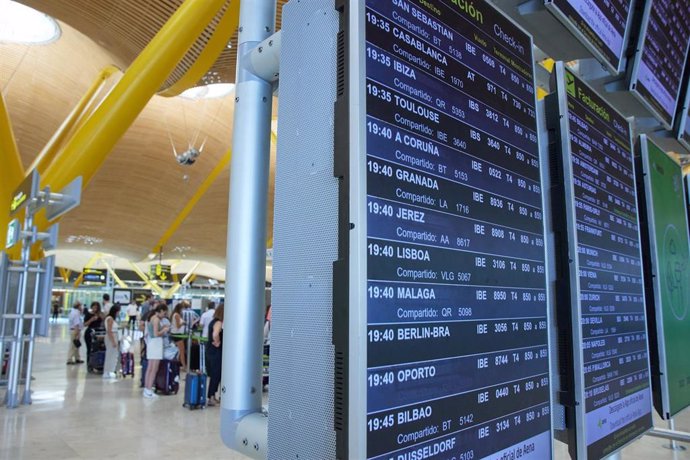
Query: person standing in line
[[214, 355], [178, 328], [206, 318], [76, 324], [154, 348], [132, 310], [112, 350], [189, 316], [147, 305], [93, 321]]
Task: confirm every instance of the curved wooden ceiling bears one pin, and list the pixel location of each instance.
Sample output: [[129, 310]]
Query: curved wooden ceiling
[[125, 27], [140, 188]]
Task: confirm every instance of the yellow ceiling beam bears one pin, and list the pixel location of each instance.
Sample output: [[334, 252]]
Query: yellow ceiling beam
[[86, 151], [78, 114], [177, 286], [11, 167], [94, 258], [203, 188], [145, 278], [65, 274], [117, 279], [222, 34]]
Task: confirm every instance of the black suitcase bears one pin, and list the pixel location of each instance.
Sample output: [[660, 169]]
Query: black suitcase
[[168, 377]]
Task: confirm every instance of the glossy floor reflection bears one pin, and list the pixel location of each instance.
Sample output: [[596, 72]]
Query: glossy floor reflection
[[76, 415]]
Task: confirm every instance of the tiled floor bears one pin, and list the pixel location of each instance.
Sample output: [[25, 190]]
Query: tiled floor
[[76, 415]]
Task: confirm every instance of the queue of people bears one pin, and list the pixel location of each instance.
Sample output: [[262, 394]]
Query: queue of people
[[164, 336]]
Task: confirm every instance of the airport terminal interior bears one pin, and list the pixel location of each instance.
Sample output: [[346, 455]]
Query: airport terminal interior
[[345, 229]]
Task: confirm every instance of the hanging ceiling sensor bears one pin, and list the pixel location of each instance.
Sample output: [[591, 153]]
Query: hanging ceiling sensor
[[188, 157]]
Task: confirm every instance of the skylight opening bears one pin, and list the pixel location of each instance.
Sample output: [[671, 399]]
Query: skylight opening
[[21, 24]]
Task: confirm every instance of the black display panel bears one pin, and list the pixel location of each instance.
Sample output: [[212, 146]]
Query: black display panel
[[457, 337], [663, 46], [683, 124], [604, 362], [602, 25]]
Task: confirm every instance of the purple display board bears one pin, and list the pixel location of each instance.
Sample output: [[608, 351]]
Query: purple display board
[[457, 336]]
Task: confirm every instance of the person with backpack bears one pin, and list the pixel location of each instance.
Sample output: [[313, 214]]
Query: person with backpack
[[112, 349], [154, 347]]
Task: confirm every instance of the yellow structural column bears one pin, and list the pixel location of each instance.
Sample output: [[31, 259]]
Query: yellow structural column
[[214, 47], [43, 160], [11, 168], [89, 147], [210, 179]]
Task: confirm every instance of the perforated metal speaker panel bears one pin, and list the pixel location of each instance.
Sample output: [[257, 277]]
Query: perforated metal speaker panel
[[305, 240]]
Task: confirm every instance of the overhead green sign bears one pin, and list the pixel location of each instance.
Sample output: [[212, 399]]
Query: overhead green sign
[[669, 303], [13, 230]]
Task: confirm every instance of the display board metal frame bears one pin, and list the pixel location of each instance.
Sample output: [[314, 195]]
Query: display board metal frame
[[568, 287], [352, 442], [634, 74], [599, 55], [654, 277]]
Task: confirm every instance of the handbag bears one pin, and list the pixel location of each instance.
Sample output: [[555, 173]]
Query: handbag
[[170, 352], [76, 343]]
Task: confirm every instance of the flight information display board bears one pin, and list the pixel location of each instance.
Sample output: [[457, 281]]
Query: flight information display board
[[601, 25], [667, 276], [609, 382], [663, 46], [457, 336]]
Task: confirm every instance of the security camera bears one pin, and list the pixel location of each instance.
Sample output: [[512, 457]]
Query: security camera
[[188, 157]]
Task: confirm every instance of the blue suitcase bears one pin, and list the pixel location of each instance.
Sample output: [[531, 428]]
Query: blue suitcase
[[195, 391]]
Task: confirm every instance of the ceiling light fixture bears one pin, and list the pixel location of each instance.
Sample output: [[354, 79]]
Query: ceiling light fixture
[[212, 91], [21, 24], [84, 239]]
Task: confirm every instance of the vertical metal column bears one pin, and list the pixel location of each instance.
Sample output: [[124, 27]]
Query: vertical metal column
[[18, 343], [246, 253], [41, 276], [4, 300]]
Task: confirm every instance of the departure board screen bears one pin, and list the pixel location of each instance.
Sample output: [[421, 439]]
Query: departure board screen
[[667, 270], [457, 354], [658, 69], [609, 339], [601, 24]]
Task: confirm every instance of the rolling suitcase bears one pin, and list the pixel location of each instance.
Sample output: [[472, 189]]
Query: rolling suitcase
[[96, 361], [127, 364], [195, 382], [168, 377], [195, 391]]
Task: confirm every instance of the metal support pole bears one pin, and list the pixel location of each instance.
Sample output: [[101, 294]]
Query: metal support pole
[[32, 337], [669, 434], [5, 293], [246, 254], [16, 350], [673, 445]]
